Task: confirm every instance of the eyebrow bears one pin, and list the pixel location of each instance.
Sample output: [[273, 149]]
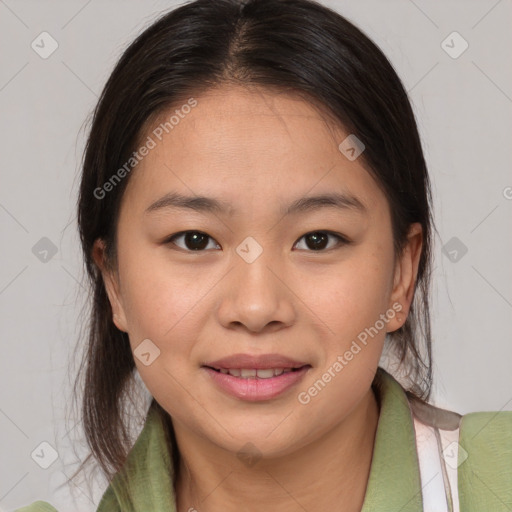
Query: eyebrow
[[203, 204]]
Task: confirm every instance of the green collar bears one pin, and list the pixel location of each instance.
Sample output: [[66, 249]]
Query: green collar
[[394, 482]]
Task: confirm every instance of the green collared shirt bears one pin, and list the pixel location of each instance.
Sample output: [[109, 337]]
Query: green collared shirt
[[394, 485]]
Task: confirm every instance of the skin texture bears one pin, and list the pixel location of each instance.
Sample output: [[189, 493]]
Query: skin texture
[[258, 150]]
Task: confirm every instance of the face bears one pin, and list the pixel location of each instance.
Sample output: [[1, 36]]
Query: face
[[259, 313]]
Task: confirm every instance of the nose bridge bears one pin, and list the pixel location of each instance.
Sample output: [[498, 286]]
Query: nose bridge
[[255, 296]]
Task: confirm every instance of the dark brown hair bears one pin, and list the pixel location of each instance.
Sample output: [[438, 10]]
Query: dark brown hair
[[294, 46]]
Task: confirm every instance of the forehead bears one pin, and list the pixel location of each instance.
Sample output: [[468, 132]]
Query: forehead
[[238, 118], [238, 143]]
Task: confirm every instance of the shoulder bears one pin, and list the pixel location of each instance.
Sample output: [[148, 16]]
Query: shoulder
[[476, 454], [108, 503], [37, 506], [494, 424], [485, 467], [482, 436]]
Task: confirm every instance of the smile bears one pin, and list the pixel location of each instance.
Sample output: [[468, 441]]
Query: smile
[[253, 373]]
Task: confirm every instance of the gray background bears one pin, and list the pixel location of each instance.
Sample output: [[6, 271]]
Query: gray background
[[463, 106]]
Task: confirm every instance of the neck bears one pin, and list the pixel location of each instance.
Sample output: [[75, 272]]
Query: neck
[[330, 473]]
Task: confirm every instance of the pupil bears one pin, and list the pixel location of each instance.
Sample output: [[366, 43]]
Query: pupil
[[196, 241], [318, 240]]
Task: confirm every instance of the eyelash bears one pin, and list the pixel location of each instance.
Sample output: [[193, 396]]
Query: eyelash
[[341, 240]]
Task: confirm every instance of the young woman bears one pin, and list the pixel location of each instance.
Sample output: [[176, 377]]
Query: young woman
[[255, 219]]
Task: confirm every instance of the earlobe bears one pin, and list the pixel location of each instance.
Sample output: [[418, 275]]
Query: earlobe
[[111, 283], [404, 279]]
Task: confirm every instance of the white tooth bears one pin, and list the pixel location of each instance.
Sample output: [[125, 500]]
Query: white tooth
[[246, 373], [278, 371], [234, 371], [223, 370], [265, 374]]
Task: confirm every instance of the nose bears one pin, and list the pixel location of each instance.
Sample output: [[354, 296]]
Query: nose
[[257, 297]]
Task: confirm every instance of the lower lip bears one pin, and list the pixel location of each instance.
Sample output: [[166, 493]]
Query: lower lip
[[254, 389]]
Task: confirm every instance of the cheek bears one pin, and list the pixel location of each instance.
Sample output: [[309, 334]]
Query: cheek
[[160, 306], [160, 301], [353, 294], [353, 298]]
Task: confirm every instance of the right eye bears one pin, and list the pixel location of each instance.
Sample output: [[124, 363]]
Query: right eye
[[192, 240]]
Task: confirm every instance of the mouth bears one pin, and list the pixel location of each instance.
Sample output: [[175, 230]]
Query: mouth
[[256, 373], [255, 378]]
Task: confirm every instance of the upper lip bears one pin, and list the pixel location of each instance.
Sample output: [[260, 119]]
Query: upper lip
[[258, 362]]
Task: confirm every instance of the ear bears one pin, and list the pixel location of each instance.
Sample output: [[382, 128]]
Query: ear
[[404, 279], [111, 282]]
